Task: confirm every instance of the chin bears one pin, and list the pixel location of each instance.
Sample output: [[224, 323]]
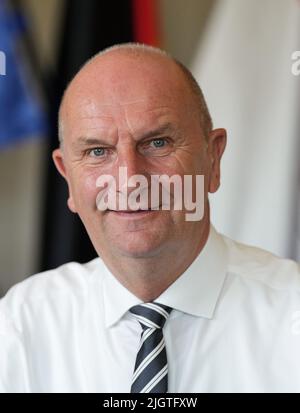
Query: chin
[[137, 247]]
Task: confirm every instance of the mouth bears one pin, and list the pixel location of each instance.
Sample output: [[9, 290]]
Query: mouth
[[133, 213]]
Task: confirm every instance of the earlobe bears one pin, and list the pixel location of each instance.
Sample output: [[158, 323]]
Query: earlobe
[[71, 205]]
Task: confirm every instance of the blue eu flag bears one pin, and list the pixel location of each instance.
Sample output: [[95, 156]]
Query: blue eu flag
[[21, 114]]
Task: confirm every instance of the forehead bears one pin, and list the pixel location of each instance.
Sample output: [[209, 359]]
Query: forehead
[[125, 91]]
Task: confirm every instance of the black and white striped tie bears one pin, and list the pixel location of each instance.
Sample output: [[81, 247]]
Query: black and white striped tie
[[151, 367]]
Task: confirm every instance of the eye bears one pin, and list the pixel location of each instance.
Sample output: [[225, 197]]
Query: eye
[[97, 152], [157, 147], [159, 143]]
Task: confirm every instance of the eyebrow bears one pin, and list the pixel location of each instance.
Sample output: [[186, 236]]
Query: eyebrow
[[85, 141], [82, 141], [158, 131]]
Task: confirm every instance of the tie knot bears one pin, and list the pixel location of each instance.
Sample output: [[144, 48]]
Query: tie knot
[[151, 315]]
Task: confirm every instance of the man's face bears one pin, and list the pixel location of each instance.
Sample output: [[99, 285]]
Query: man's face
[[139, 114]]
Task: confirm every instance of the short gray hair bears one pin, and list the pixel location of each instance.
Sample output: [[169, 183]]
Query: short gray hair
[[138, 49]]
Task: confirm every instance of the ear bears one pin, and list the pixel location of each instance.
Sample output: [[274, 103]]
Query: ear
[[216, 147], [58, 158]]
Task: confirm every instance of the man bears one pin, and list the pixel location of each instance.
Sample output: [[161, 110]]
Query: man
[[170, 304]]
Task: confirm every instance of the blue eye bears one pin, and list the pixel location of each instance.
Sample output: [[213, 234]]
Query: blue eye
[[97, 152], [159, 143]]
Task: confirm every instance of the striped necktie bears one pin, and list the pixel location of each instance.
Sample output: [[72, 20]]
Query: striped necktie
[[151, 367]]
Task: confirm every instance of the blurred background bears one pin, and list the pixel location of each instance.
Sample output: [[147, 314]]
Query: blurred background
[[240, 51]]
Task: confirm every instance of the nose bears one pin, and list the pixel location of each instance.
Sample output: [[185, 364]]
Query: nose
[[129, 164], [131, 176], [130, 158]]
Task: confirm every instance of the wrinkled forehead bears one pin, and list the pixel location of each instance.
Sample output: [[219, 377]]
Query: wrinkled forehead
[[132, 82]]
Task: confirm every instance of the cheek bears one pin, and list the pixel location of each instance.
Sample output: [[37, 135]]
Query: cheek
[[84, 189], [172, 165]]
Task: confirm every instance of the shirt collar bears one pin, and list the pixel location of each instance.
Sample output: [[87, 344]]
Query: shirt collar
[[195, 292]]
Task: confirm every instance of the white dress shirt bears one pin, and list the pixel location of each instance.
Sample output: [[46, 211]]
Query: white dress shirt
[[235, 326]]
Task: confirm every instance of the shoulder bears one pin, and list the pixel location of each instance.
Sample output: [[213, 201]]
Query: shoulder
[[67, 282], [255, 265]]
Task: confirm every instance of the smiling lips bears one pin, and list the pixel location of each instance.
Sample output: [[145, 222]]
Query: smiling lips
[[132, 213], [128, 211]]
